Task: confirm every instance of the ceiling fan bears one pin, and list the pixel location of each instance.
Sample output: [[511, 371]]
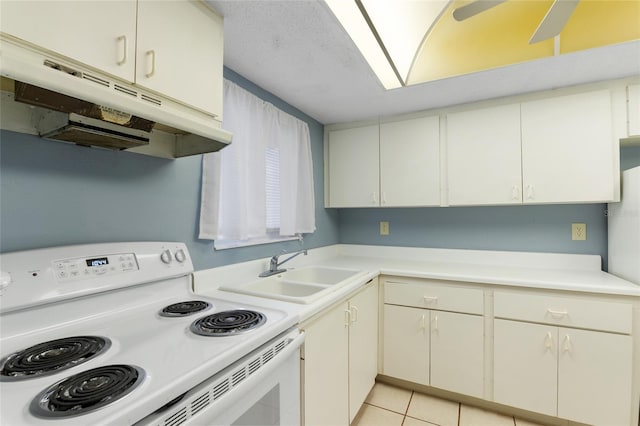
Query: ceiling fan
[[550, 26]]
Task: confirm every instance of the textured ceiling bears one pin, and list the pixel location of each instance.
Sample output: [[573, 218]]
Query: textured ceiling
[[298, 51]]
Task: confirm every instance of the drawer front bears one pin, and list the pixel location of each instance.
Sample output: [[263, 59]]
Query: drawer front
[[434, 295], [566, 311]]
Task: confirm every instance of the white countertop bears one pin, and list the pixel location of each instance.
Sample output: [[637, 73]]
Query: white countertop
[[564, 272]]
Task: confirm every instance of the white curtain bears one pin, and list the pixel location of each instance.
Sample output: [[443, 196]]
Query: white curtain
[[233, 203]]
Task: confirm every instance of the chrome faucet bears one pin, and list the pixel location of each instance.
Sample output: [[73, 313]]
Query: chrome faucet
[[274, 264]]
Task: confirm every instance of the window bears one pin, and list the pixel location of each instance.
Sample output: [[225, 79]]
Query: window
[[260, 188]]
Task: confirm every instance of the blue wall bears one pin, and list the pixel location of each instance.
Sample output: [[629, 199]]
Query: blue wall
[[53, 193], [629, 157], [518, 228]]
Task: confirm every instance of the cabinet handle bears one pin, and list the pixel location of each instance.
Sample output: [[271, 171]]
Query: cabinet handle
[[566, 347], [515, 192], [384, 198], [548, 343], [347, 317], [557, 314], [152, 54], [423, 323], [374, 198], [429, 299], [354, 314], [125, 49], [530, 192], [435, 323]]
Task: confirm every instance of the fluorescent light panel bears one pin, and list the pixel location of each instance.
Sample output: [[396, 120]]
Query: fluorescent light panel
[[354, 23], [402, 25]]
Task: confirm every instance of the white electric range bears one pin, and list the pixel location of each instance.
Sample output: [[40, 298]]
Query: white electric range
[[112, 334]]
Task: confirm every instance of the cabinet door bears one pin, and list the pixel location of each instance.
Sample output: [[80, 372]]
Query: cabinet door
[[457, 352], [594, 380], [525, 366], [354, 169], [326, 369], [363, 346], [568, 149], [410, 163], [179, 52], [406, 343], [483, 156], [100, 34]]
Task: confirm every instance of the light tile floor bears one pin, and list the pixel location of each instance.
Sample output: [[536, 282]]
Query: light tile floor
[[391, 406]]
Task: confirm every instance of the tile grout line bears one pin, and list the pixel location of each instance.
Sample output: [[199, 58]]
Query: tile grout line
[[404, 418]]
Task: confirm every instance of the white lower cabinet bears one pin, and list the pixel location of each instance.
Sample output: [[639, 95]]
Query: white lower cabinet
[[406, 343], [571, 373], [340, 359], [457, 342], [525, 367], [432, 347], [363, 346]]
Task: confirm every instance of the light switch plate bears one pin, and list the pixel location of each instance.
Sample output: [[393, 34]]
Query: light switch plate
[[384, 228], [578, 231]]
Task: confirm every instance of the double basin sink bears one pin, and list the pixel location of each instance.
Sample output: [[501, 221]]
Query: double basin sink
[[303, 285]]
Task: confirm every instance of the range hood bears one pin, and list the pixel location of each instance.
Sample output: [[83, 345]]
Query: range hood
[[67, 102]]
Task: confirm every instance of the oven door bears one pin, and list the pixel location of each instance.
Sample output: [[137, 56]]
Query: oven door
[[262, 388]]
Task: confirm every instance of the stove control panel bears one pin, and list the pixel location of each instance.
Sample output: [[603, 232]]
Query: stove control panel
[[90, 267]]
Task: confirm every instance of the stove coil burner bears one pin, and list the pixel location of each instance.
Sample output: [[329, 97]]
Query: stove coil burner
[[228, 323], [51, 357], [86, 391], [182, 309]]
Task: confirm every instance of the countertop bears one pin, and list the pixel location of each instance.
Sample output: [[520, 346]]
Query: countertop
[[548, 271]]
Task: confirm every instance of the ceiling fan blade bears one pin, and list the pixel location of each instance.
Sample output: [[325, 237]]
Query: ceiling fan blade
[[555, 20], [473, 8]]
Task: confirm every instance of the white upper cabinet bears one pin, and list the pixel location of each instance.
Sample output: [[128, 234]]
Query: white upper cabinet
[[554, 150], [394, 164], [354, 167], [179, 52], [100, 34], [484, 157], [410, 162], [171, 47], [568, 149], [561, 149]]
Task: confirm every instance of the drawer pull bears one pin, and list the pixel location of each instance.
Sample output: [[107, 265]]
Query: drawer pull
[[557, 314], [430, 298], [548, 342]]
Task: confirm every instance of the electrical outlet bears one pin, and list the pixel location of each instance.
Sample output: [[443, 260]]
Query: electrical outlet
[[384, 228], [578, 231]]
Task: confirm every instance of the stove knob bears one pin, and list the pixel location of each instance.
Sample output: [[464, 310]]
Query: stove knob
[[166, 256], [180, 256]]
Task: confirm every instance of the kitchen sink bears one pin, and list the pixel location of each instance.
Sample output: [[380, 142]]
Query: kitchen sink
[[303, 285], [318, 275]]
